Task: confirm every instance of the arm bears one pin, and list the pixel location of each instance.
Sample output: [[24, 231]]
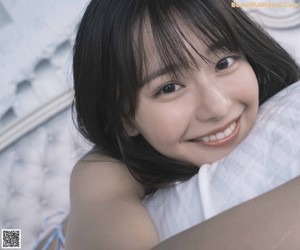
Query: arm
[[271, 221], [106, 210], [109, 216]]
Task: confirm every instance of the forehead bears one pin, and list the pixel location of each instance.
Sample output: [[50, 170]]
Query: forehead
[[179, 45], [179, 34]]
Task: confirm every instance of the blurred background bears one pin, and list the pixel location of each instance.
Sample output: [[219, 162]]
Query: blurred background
[[38, 142]]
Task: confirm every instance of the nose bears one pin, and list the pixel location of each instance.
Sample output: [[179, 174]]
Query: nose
[[213, 101]]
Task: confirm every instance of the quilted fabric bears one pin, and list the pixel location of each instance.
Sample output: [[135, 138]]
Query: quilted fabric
[[35, 173]]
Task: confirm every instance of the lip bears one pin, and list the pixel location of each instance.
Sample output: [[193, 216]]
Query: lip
[[225, 140]]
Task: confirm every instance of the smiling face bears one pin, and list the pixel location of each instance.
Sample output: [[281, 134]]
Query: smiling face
[[202, 114]]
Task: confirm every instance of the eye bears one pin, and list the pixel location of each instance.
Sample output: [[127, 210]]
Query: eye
[[169, 88], [226, 62]]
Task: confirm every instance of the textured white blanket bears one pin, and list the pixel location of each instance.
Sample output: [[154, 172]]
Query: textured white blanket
[[267, 158]]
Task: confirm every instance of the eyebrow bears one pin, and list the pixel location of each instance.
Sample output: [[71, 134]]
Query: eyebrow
[[160, 72], [212, 48]]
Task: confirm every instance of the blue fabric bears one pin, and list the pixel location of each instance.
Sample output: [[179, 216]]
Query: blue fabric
[[56, 235]]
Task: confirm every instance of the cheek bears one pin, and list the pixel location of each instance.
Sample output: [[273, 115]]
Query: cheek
[[248, 90], [161, 124], [252, 88]]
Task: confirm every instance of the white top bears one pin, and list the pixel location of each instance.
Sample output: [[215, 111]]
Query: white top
[[267, 158]]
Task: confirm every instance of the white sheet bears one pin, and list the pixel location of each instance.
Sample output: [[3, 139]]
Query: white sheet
[[267, 158]]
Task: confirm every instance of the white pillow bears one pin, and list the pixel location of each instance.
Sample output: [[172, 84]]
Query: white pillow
[[268, 157]]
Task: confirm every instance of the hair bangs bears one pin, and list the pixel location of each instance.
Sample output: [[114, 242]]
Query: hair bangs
[[171, 24]]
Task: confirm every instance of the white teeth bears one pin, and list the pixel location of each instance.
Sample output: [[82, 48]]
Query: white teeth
[[212, 137], [205, 139], [228, 132], [220, 135], [232, 126]]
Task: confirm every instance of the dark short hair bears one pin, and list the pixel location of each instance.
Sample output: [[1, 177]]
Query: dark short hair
[[109, 58]]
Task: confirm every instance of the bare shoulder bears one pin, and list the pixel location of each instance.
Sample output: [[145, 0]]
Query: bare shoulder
[[105, 203], [101, 175]]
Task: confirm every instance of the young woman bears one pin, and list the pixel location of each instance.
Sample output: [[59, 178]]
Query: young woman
[[161, 87]]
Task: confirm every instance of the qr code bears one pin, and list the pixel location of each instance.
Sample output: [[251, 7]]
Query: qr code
[[11, 239]]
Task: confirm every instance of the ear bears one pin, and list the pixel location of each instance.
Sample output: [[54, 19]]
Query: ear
[[130, 129]]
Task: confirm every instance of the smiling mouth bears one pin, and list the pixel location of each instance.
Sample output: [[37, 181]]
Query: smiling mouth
[[223, 136]]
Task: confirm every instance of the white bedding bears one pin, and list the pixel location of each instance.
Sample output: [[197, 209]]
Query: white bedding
[[267, 158]]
